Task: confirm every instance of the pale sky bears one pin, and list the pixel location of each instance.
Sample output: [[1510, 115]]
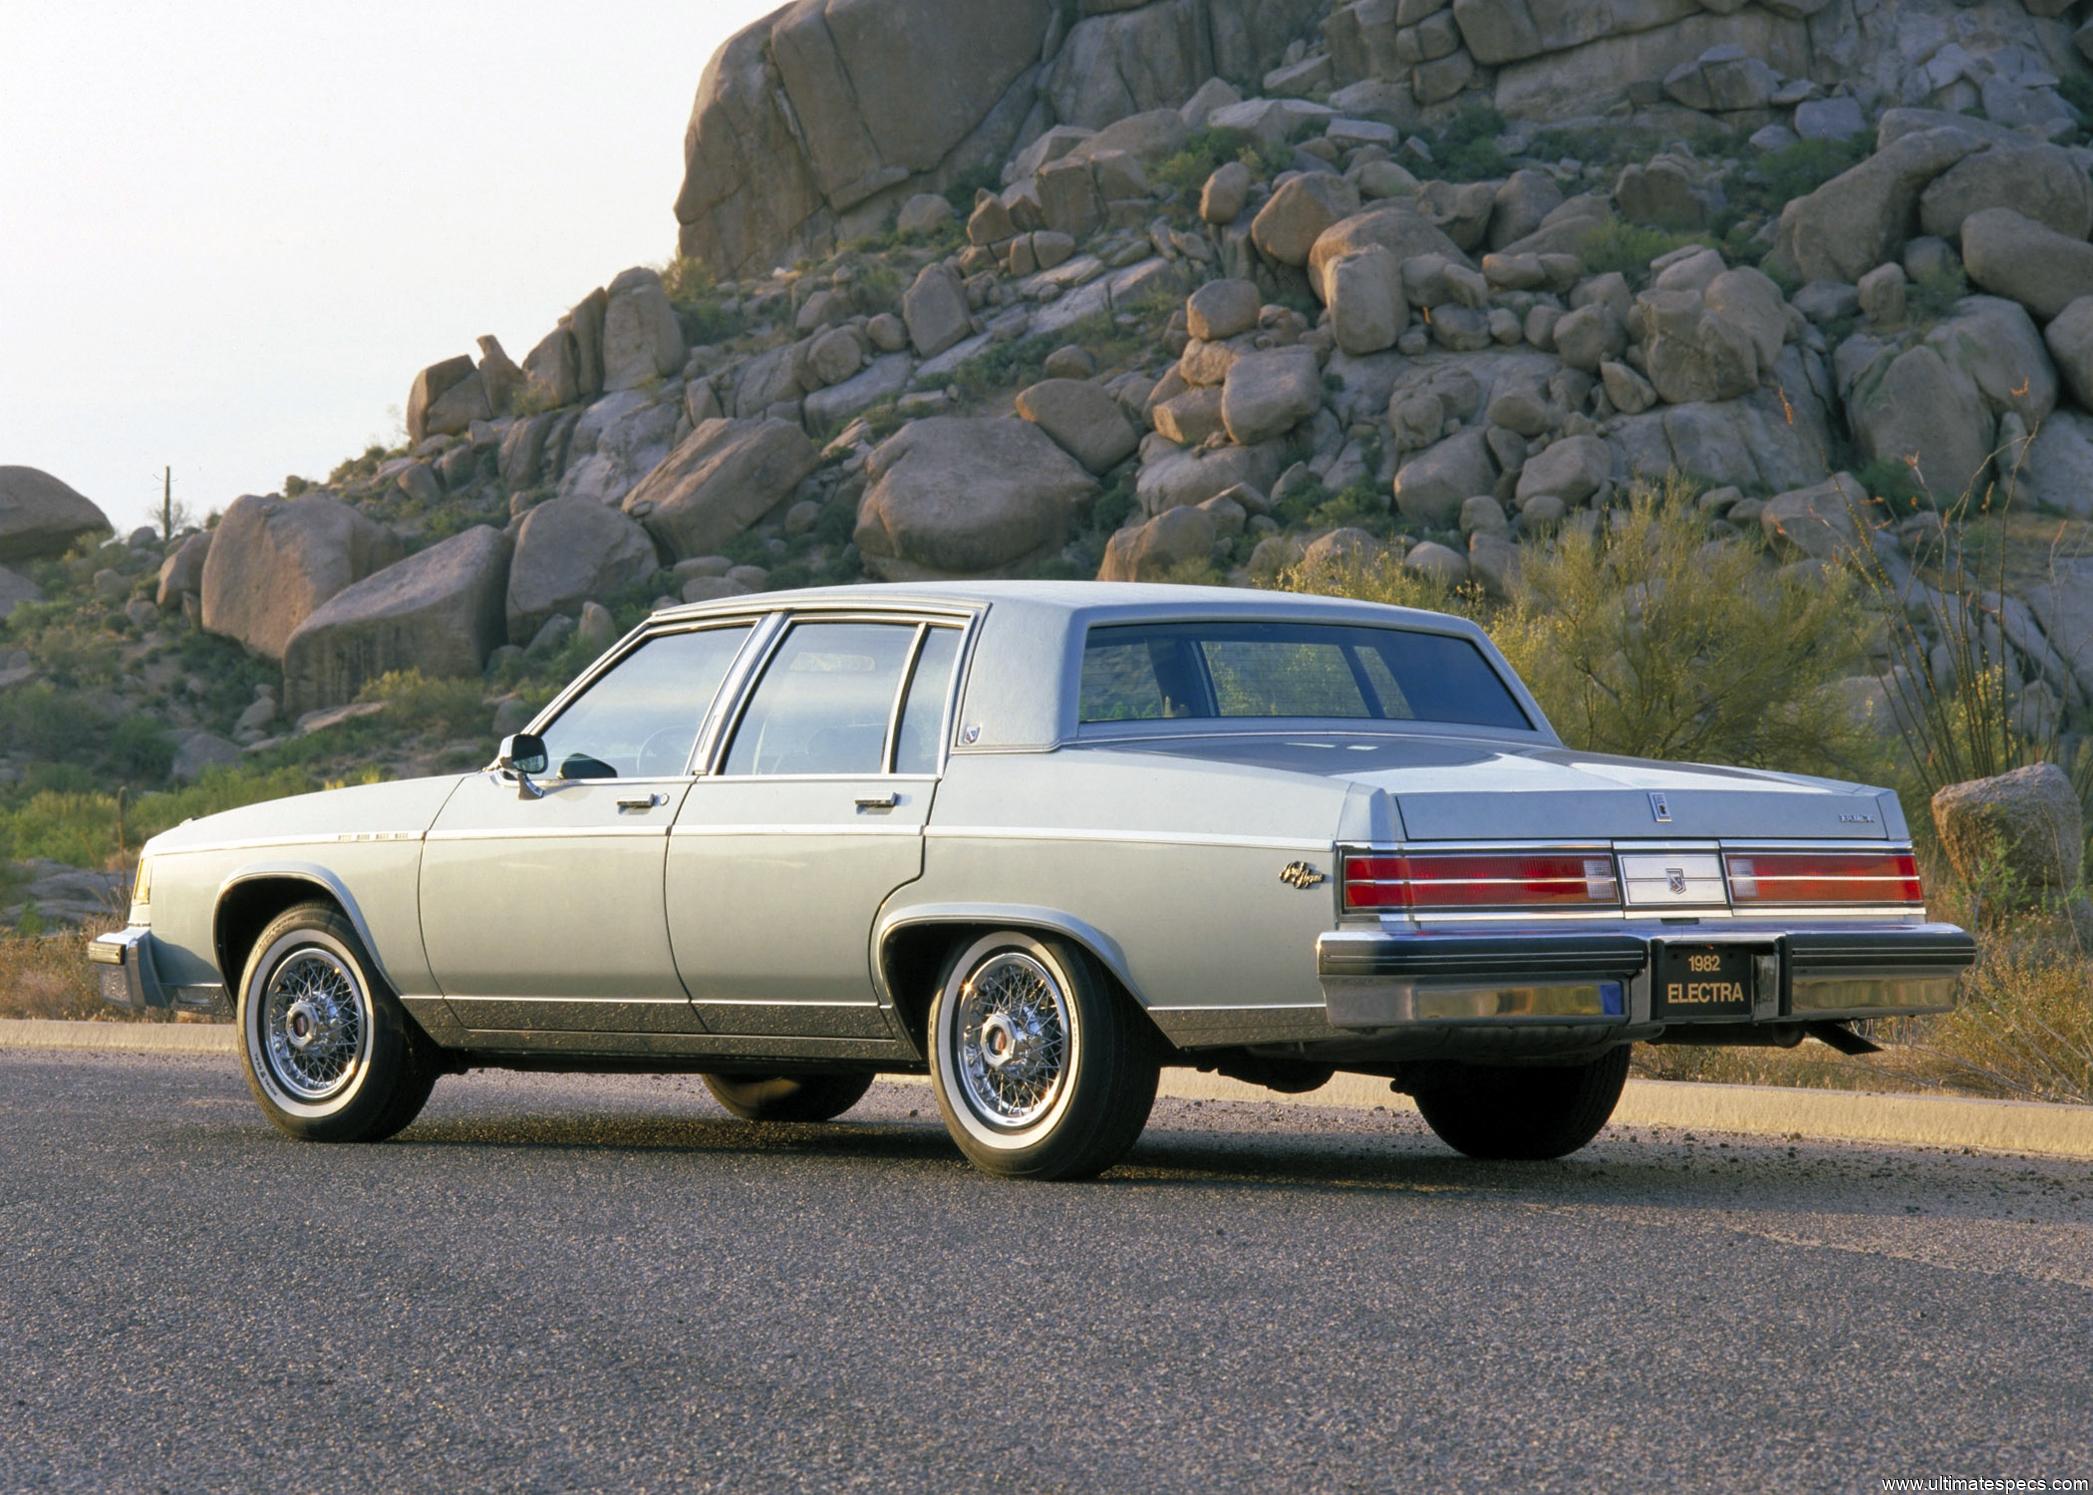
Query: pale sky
[[231, 232]]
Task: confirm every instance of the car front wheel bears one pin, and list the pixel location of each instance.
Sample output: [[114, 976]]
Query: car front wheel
[[327, 1050], [1041, 1069], [1505, 1111], [788, 1097]]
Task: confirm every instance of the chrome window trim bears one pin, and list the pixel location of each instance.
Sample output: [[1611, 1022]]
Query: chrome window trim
[[748, 683]]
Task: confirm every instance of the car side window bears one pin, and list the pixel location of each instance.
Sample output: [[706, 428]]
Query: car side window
[[640, 719], [825, 701], [923, 713]]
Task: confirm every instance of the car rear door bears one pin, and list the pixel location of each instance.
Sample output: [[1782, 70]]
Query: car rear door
[[812, 815], [545, 912]]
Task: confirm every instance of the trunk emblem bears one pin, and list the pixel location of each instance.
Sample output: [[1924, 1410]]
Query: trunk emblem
[[1675, 879], [1303, 875], [1659, 808]]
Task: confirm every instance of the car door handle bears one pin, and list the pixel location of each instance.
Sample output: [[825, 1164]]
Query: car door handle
[[878, 801], [646, 803]]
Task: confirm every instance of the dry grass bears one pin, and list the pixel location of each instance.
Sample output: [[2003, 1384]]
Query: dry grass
[[47, 976]]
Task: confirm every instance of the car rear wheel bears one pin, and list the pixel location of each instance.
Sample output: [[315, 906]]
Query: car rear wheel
[[327, 1050], [1041, 1069], [788, 1097], [1509, 1112]]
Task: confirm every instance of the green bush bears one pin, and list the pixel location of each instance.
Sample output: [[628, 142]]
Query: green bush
[[1466, 148], [1629, 247], [1934, 294], [415, 703], [96, 829], [1183, 175], [1651, 639], [1797, 170]]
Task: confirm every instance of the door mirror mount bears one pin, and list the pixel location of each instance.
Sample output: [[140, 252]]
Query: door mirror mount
[[520, 756]]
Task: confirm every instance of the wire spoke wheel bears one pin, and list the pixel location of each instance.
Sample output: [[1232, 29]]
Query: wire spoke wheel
[[1013, 1036], [315, 1024]]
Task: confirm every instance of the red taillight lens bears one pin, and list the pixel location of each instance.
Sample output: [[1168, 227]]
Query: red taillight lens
[[1487, 880], [1825, 877]]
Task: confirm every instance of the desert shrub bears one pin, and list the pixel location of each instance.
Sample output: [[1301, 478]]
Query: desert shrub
[[1466, 148], [1895, 484], [1651, 639], [969, 184], [448, 708], [1933, 295], [1629, 247], [1181, 176], [1797, 170], [2023, 1027], [63, 727], [705, 314], [47, 976], [94, 828]]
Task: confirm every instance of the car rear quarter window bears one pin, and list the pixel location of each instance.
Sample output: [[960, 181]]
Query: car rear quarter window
[[1153, 672]]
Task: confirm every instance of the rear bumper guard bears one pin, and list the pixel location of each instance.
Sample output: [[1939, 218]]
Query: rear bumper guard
[[1373, 979]]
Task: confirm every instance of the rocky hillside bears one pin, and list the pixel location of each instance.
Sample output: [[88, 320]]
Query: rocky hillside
[[1187, 288]]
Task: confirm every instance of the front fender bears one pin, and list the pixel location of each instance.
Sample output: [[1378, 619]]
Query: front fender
[[395, 956]]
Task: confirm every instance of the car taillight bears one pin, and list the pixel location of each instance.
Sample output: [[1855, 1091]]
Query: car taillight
[[1480, 880], [1761, 878]]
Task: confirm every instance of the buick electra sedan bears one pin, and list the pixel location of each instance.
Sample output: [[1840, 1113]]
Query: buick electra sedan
[[1038, 841]]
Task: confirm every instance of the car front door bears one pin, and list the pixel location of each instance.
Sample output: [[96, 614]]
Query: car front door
[[542, 902], [813, 815]]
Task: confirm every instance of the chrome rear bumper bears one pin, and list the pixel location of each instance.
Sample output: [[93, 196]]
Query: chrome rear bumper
[[1378, 980]]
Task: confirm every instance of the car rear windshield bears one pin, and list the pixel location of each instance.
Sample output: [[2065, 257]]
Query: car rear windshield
[[1158, 671]]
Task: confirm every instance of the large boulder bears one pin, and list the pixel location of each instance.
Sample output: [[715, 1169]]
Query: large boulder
[[720, 479], [272, 563], [40, 516], [445, 399], [1298, 211], [439, 611], [570, 551], [1573, 469], [1431, 487], [181, 574], [2043, 270], [2056, 468], [1172, 477], [1268, 393], [16, 589], [935, 311], [1818, 522], [642, 341], [1083, 419], [819, 120], [1917, 404], [1860, 218], [2038, 181], [2070, 339], [2022, 834], [1397, 227], [963, 496], [1368, 310], [1151, 551]]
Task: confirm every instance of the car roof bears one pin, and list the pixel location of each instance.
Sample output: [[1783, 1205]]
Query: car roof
[[1025, 675], [1090, 598]]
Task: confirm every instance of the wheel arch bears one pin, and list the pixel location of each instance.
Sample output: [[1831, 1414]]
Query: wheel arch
[[911, 946], [251, 897]]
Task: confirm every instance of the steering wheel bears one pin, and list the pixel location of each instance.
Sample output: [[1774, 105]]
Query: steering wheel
[[664, 754]]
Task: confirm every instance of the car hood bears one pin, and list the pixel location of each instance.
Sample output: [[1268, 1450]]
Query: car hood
[[405, 808], [1457, 788]]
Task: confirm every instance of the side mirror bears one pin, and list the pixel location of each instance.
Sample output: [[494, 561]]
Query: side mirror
[[523, 754]]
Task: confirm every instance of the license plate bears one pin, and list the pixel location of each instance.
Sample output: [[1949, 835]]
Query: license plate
[[1701, 981]]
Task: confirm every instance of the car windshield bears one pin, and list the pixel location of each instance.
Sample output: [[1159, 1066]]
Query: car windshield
[[1152, 672]]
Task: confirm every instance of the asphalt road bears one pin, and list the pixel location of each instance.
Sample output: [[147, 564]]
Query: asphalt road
[[566, 1283]]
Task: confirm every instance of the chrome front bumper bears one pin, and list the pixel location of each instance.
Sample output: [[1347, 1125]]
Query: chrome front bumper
[[123, 969], [1377, 980]]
